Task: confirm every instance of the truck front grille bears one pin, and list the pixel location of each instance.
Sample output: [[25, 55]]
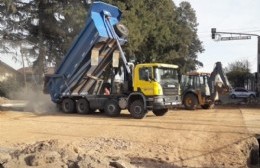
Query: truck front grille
[[170, 91]]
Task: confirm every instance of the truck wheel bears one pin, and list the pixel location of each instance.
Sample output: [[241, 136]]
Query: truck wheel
[[137, 109], [208, 106], [68, 105], [112, 109], [121, 30], [82, 106], [190, 102], [160, 112]]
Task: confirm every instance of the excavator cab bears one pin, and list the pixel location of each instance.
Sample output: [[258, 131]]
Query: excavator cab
[[196, 81], [195, 90]]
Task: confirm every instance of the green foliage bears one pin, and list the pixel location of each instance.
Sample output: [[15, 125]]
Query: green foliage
[[48, 26], [9, 86], [158, 30], [161, 32], [59, 22], [238, 73]]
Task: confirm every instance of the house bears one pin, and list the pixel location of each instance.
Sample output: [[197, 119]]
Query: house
[[32, 77], [8, 72]]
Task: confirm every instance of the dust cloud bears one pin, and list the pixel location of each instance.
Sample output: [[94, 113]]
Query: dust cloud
[[36, 101]]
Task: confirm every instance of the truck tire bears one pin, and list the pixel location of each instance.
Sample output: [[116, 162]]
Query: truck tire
[[82, 106], [68, 105], [207, 106], [160, 112], [137, 109], [121, 30], [190, 102], [112, 108]]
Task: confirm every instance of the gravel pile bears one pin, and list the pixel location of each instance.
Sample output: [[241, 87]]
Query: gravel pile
[[54, 154]]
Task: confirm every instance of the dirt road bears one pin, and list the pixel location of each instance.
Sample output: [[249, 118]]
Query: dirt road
[[221, 137]]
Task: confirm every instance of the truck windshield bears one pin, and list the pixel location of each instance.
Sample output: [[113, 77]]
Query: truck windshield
[[163, 75]]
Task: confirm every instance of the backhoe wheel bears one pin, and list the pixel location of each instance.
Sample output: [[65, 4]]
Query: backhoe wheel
[[190, 102], [82, 106], [137, 109], [68, 105], [112, 109], [208, 106], [121, 30], [160, 112]]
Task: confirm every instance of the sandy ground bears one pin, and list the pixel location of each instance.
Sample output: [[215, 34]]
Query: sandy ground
[[220, 137]]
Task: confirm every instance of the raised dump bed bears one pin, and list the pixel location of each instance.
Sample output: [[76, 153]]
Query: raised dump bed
[[78, 72]]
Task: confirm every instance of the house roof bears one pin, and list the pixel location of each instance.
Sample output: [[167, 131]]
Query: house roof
[[9, 67], [50, 70], [29, 70]]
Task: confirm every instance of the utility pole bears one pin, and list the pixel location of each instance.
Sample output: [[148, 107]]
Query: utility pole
[[215, 35], [24, 71], [258, 55]]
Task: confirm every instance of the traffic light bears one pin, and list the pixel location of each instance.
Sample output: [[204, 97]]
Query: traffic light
[[213, 33]]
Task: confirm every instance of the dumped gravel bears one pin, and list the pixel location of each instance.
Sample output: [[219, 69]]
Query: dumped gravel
[[54, 154], [202, 138], [99, 152]]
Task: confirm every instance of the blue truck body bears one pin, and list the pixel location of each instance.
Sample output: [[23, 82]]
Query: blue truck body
[[98, 32]]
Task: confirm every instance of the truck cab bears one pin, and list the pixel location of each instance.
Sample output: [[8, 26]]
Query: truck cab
[[157, 80], [159, 83]]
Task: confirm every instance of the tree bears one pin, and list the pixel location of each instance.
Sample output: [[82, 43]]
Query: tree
[[238, 73], [188, 37], [46, 28], [161, 32]]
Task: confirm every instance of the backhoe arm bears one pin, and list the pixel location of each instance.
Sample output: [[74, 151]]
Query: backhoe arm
[[215, 85]]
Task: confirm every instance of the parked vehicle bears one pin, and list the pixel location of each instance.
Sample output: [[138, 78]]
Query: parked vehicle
[[242, 93], [95, 75], [203, 89]]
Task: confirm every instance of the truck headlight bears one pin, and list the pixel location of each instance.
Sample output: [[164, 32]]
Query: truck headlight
[[158, 100]]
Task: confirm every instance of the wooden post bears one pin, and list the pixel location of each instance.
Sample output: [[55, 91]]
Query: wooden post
[[24, 72]]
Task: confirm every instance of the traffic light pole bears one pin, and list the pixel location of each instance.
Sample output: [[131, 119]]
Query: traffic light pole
[[242, 36], [258, 54], [214, 32], [258, 66]]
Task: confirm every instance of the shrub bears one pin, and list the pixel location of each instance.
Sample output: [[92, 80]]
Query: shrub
[[9, 86]]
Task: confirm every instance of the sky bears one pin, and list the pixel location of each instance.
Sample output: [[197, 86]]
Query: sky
[[240, 16], [225, 15]]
